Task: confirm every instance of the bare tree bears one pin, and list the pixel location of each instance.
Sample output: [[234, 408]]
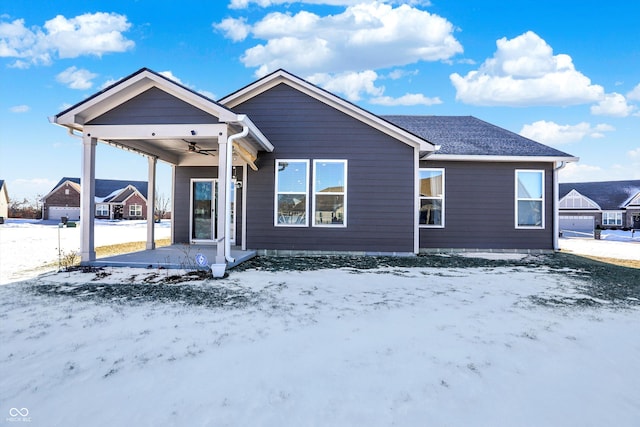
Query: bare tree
[[162, 206], [25, 208]]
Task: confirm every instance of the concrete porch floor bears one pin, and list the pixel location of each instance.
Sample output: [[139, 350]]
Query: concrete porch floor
[[173, 256]]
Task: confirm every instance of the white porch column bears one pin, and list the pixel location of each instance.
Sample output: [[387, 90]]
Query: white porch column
[[151, 203], [87, 199], [223, 190]]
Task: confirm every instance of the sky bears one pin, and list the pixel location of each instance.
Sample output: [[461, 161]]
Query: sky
[[564, 73]]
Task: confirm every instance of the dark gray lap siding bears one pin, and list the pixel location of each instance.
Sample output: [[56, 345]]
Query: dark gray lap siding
[[380, 192], [480, 208]]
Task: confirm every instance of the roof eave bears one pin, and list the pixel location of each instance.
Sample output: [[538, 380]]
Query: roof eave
[[498, 158]]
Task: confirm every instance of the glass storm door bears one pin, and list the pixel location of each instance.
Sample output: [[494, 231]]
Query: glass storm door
[[204, 210]]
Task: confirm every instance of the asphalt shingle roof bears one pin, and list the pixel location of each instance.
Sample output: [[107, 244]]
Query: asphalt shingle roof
[[609, 195], [468, 135], [105, 187]]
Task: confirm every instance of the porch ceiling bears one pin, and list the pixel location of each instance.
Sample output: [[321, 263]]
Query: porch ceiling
[[192, 151]]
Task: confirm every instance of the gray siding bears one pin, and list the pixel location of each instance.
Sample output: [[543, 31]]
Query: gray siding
[[154, 106], [182, 200], [480, 208], [380, 193]]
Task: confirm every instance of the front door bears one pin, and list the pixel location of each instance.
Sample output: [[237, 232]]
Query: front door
[[204, 210]]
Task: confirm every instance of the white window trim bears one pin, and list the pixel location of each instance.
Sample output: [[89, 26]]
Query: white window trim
[[133, 206], [106, 208], [276, 193], [432, 198], [342, 193], [516, 199], [615, 214]]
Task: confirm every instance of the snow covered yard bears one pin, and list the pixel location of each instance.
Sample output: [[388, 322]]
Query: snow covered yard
[[30, 247], [515, 343]]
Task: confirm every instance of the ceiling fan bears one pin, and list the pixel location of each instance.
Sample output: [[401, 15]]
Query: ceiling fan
[[193, 148]]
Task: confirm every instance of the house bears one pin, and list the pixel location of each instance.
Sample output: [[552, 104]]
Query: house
[[4, 201], [113, 199], [284, 167], [606, 204]]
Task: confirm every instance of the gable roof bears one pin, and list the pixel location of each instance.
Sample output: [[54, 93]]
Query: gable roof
[[284, 77], [470, 136], [144, 82], [609, 195], [131, 86], [107, 188]]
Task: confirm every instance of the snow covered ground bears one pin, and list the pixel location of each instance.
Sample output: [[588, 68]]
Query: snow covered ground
[[334, 347], [29, 248]]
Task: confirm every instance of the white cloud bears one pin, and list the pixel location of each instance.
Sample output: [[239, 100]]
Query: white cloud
[[76, 78], [634, 95], [400, 73], [351, 85], [635, 154], [551, 133], [243, 4], [87, 34], [614, 105], [577, 172], [523, 72], [408, 99], [169, 74], [19, 109], [234, 29], [364, 36]]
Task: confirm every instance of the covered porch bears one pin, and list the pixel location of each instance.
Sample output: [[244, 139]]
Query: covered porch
[[153, 116]]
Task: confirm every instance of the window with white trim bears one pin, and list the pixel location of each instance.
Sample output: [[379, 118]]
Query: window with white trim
[[529, 198], [431, 197], [102, 210], [135, 210], [330, 193], [292, 187], [611, 218]]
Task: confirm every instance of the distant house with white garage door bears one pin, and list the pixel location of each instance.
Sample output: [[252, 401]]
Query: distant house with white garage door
[[607, 204], [114, 199]]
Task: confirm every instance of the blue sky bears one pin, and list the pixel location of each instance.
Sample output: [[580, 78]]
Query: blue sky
[[565, 73]]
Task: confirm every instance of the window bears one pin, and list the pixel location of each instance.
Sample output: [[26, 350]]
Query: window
[[432, 197], [292, 186], [611, 218], [329, 192], [529, 199], [135, 210], [102, 210]]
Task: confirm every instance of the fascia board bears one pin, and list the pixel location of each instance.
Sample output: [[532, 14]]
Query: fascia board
[[128, 89]]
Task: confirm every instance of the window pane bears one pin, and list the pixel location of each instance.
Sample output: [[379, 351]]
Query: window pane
[[431, 212], [292, 177], [329, 177], [431, 183], [529, 185], [529, 213], [329, 209], [291, 208]]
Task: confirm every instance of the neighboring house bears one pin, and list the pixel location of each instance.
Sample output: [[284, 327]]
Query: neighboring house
[[608, 204], [114, 199], [4, 200], [284, 167]]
